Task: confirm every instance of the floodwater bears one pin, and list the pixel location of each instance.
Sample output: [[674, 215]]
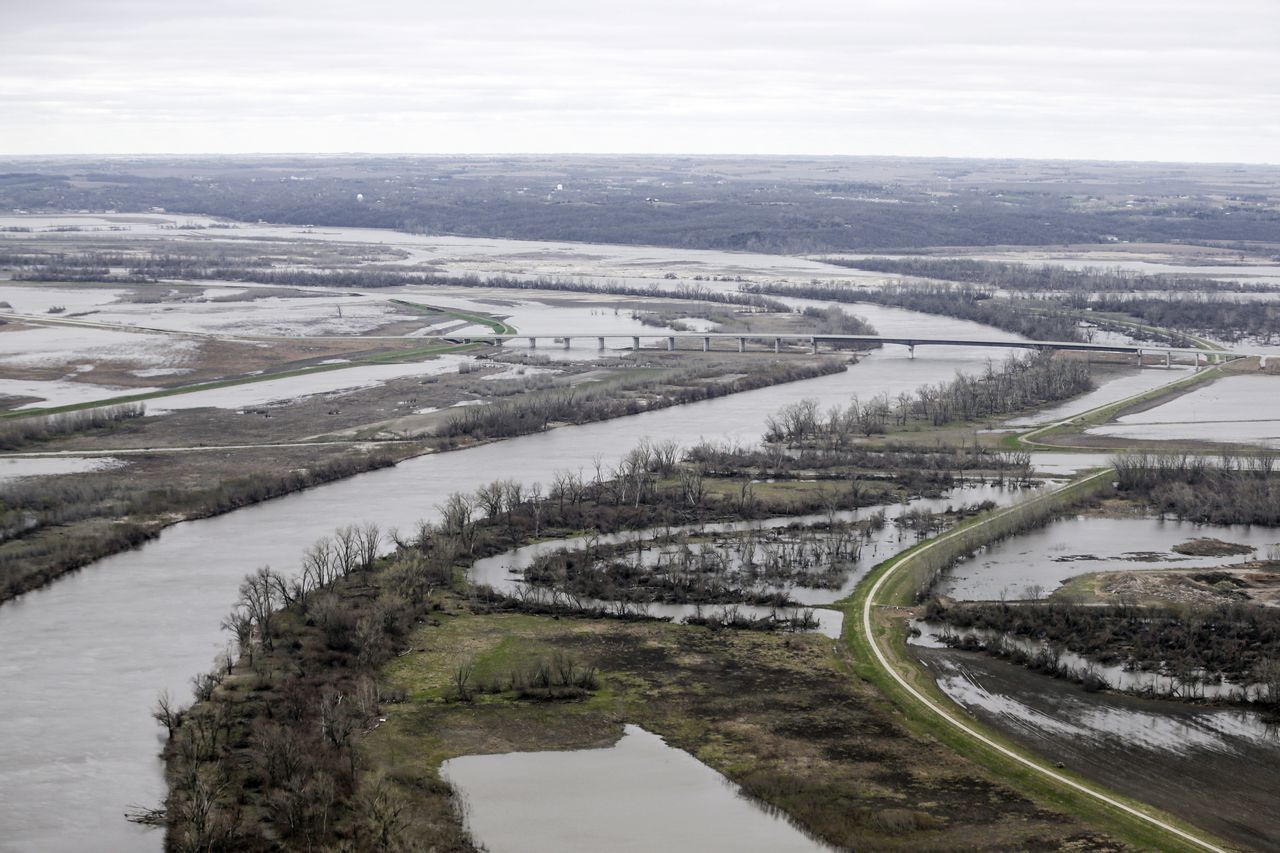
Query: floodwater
[[1217, 768], [291, 387], [1116, 386], [14, 469], [1047, 557], [638, 795], [932, 635], [62, 392], [458, 255], [55, 346], [1245, 409], [504, 571]]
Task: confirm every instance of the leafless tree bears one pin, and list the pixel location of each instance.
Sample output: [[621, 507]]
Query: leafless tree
[[368, 543], [167, 713]]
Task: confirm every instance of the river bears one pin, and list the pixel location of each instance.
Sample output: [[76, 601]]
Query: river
[[86, 657]]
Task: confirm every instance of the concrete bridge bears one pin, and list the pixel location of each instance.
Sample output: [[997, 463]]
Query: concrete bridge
[[775, 340]]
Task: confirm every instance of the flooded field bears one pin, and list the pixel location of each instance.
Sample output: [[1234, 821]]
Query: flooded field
[[1041, 560], [1244, 409], [1112, 386], [934, 635], [15, 469], [324, 382], [505, 572], [639, 795], [1168, 754]]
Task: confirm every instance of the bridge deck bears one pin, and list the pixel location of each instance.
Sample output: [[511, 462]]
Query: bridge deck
[[810, 338]]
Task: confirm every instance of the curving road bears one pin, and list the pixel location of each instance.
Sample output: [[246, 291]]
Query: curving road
[[951, 718]]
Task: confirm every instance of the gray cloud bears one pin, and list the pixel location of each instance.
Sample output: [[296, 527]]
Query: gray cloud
[[1177, 79]]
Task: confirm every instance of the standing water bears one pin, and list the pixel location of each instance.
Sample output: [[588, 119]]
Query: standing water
[[639, 795]]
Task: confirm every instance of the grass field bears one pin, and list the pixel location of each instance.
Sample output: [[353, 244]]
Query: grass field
[[784, 716]]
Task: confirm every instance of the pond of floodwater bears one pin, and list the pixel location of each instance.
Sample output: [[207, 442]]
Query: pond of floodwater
[[291, 387], [1113, 386], [1077, 545], [37, 299], [62, 392], [1243, 409], [1169, 754], [309, 314], [14, 469], [504, 572], [638, 795], [58, 346]]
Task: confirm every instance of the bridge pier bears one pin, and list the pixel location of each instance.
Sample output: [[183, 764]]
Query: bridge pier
[[911, 350], [671, 344], [567, 342], [533, 343], [635, 342], [706, 344], [601, 346], [814, 342], [777, 344], [742, 344], [1168, 360], [1139, 356]]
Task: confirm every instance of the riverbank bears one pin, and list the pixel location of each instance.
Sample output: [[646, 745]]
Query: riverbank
[[89, 517]]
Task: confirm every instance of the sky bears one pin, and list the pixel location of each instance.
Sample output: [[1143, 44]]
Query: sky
[[1186, 80]]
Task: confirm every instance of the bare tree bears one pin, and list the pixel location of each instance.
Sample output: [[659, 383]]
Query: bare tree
[[258, 599], [368, 543], [346, 550], [167, 713], [317, 564]]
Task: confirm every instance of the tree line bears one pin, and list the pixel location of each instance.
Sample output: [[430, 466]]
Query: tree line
[[19, 432], [578, 405], [1238, 642], [1021, 382], [1233, 488], [963, 302], [1186, 303], [1043, 278]]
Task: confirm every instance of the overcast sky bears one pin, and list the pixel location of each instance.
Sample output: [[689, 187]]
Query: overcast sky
[[1110, 79]]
